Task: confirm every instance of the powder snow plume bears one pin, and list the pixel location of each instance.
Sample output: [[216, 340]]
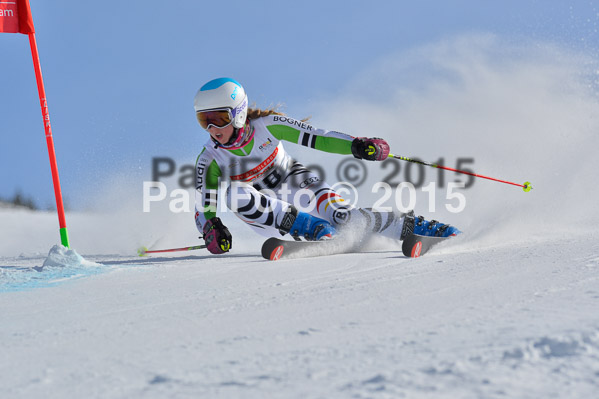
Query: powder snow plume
[[523, 111]]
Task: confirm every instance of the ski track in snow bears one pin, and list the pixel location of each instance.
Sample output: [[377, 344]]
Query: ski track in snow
[[504, 321]]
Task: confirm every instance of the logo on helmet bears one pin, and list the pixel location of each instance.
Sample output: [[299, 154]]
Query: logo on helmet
[[234, 94], [241, 107]]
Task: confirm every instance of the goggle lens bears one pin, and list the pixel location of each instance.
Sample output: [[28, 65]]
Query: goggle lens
[[219, 118]]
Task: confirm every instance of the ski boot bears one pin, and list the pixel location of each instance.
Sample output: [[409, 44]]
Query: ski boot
[[433, 228], [301, 224]]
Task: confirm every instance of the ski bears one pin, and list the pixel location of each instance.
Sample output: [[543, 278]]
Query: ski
[[275, 248], [416, 245]]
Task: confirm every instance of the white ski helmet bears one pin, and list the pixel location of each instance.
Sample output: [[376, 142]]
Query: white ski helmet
[[223, 94]]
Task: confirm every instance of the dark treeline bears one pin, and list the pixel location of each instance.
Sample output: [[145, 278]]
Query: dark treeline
[[20, 199]]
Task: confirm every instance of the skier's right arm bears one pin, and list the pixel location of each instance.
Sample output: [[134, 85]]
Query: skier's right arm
[[302, 133], [216, 235]]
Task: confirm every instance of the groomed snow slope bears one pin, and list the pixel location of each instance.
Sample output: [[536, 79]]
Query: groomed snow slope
[[515, 320]]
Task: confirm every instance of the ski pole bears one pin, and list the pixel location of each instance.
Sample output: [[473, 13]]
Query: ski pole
[[526, 186], [143, 250]]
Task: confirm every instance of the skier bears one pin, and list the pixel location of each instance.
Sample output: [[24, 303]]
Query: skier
[[273, 193]]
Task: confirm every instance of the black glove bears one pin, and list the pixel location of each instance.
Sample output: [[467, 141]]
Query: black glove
[[370, 149], [217, 236]]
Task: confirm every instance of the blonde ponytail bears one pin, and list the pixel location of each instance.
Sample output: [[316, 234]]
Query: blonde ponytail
[[255, 113]]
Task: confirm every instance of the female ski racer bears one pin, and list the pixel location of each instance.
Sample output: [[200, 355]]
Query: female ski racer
[[267, 189]]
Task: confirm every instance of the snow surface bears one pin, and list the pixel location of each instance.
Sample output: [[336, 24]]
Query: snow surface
[[508, 309], [513, 320]]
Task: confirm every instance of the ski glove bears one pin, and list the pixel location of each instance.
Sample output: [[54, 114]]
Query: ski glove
[[217, 237], [370, 149]]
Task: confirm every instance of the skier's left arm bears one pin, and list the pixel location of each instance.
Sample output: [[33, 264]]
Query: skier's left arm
[[302, 133]]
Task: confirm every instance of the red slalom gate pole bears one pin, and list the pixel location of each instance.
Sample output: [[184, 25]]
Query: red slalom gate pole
[[64, 236], [526, 186], [15, 17]]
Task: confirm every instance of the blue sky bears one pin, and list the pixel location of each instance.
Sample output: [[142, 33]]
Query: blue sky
[[120, 77]]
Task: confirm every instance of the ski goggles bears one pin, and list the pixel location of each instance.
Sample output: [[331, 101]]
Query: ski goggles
[[215, 117]]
